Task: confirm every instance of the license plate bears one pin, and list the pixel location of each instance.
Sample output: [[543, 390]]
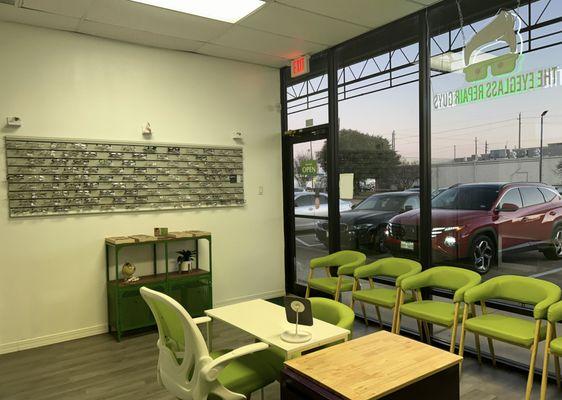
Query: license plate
[[407, 245]]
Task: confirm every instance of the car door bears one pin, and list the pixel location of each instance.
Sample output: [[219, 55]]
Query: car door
[[532, 222], [510, 224], [304, 206]]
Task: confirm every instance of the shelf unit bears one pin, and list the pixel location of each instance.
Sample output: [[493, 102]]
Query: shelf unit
[[125, 307]]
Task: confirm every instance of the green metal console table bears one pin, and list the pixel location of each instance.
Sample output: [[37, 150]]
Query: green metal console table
[[126, 308]]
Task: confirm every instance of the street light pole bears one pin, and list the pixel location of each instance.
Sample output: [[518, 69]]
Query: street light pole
[[540, 155]]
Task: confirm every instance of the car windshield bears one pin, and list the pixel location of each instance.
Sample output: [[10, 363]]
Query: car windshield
[[382, 203], [467, 198]]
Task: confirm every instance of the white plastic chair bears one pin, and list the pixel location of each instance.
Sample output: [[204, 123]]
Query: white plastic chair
[[185, 367]]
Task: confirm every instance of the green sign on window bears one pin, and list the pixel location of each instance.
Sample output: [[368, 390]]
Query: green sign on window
[[309, 168]]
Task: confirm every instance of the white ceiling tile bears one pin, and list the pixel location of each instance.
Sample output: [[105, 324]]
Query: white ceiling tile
[[242, 55], [288, 21], [37, 18], [240, 37], [69, 8], [139, 37], [153, 19], [371, 13]]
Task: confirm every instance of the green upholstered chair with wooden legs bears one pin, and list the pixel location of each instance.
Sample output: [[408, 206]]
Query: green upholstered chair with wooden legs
[[436, 312], [333, 312], [187, 369], [380, 296], [552, 347], [513, 330], [346, 261]]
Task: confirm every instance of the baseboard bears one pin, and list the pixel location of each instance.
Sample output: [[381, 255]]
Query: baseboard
[[98, 329], [52, 339], [264, 295]]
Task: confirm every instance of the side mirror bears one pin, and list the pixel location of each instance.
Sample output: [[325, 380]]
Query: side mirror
[[408, 208], [508, 207], [353, 206]]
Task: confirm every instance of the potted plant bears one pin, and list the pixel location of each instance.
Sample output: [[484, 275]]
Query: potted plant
[[185, 260]]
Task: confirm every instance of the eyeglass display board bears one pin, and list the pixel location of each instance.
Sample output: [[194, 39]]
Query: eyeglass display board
[[75, 176]]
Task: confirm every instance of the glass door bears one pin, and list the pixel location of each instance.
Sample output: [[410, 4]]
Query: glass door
[[310, 205]]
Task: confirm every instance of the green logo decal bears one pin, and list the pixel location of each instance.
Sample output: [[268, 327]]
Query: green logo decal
[[504, 28]]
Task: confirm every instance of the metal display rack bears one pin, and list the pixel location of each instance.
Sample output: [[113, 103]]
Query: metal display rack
[[75, 176], [127, 311]]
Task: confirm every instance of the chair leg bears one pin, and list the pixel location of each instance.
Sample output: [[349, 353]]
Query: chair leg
[[533, 360], [338, 285], [379, 316], [420, 330], [476, 336], [364, 313], [556, 359], [394, 311], [544, 380], [463, 334], [400, 301], [355, 284], [454, 328], [310, 274], [490, 341], [427, 334]]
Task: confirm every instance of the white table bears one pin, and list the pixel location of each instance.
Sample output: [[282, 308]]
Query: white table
[[266, 321]]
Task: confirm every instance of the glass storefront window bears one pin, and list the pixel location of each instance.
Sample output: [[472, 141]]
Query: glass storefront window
[[498, 210]]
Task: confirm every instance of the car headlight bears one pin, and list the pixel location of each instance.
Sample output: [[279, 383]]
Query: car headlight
[[450, 241], [445, 229]]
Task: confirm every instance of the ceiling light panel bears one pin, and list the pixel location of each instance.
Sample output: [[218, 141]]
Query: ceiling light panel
[[221, 10]]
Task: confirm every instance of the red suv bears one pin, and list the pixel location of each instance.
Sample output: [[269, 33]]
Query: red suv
[[475, 221]]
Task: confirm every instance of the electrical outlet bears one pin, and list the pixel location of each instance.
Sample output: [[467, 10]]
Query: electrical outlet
[[260, 190]]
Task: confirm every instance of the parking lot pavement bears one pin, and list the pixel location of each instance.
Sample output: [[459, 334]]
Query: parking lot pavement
[[530, 263]]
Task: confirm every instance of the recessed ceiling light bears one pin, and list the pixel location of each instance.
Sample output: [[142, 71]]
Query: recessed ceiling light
[[222, 10]]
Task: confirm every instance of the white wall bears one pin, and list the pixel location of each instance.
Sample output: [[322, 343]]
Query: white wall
[[52, 277]]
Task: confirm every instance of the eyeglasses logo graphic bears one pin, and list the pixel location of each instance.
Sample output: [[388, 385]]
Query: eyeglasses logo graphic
[[504, 28]]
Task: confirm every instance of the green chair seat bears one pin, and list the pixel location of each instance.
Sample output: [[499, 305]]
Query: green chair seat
[[380, 296], [512, 330], [437, 312], [556, 347], [248, 373], [329, 285]]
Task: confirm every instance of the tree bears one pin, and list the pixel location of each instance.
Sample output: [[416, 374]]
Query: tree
[[406, 175], [366, 156]]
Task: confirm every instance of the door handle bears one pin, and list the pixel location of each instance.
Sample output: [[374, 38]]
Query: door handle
[[524, 219], [311, 209], [552, 213]]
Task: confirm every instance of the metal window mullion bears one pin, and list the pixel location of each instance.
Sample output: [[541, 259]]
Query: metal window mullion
[[332, 158]]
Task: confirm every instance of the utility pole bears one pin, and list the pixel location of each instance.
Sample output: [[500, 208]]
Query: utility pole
[[475, 156], [542, 130], [393, 140], [454, 151], [486, 147], [519, 130]]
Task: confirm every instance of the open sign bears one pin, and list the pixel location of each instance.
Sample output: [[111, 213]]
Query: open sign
[[309, 168]]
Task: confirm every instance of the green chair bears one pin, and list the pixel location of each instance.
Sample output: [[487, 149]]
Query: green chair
[[189, 372], [398, 268], [333, 312], [346, 261], [553, 346], [513, 330], [432, 311]]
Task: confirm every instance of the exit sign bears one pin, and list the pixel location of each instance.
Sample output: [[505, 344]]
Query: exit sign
[[300, 66]]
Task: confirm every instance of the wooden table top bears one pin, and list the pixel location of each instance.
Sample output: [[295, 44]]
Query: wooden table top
[[372, 366]]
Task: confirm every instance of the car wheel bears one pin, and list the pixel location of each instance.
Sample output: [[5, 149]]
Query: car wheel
[[555, 252], [483, 252]]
